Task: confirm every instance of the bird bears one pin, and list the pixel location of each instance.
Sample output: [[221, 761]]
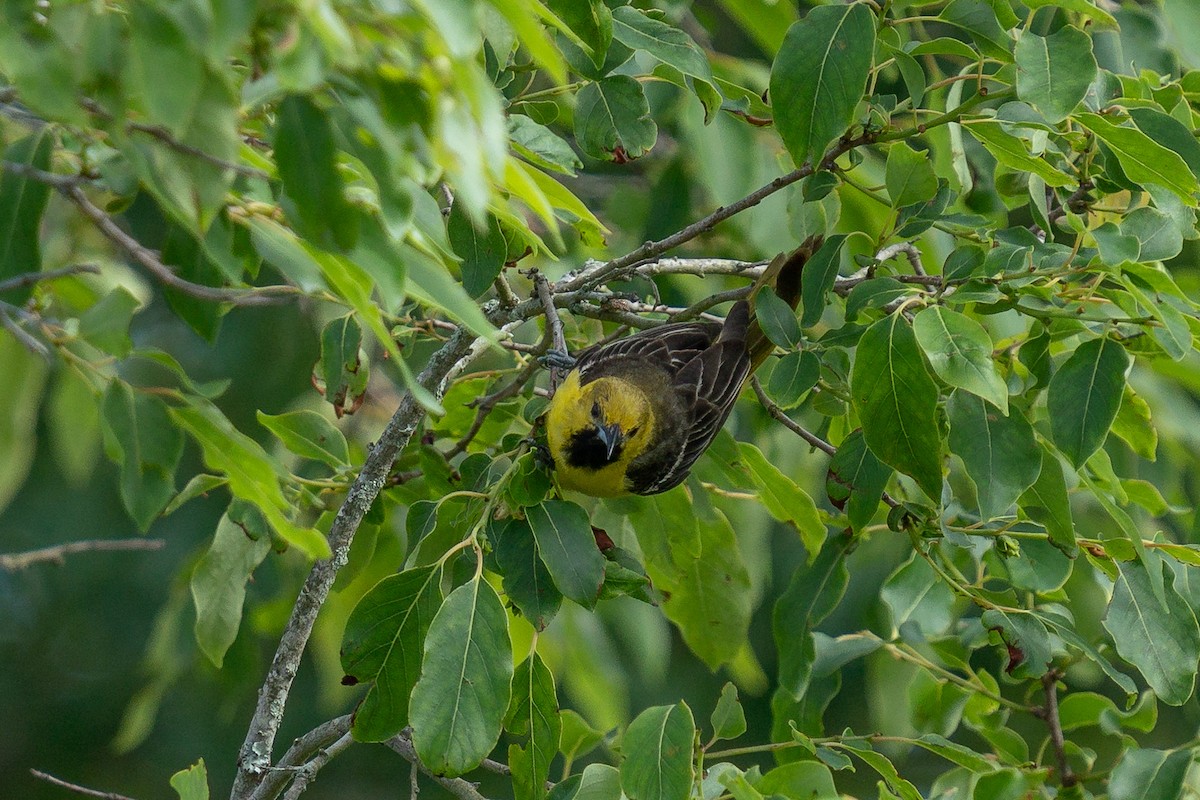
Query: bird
[[633, 415]]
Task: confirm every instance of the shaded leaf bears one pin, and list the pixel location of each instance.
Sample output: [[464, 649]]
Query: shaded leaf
[[382, 645], [459, 703]]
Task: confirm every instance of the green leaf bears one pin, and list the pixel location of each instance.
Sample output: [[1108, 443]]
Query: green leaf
[[1054, 72], [523, 17], [1084, 396], [430, 283], [527, 582], [482, 250], [307, 162], [141, 438], [813, 593], [253, 475], [219, 585], [1144, 160], [819, 76], [164, 69], [612, 119], [914, 592], [1065, 630], [24, 380], [382, 644], [1026, 638], [1013, 152], [960, 352], [22, 203], [896, 400], [1134, 426], [309, 435], [578, 737], [1099, 17], [800, 779], [979, 19], [956, 753], [541, 146], [783, 499], [881, 764], [568, 549], [856, 480], [1000, 453], [909, 176], [693, 558], [792, 376], [728, 719], [106, 324], [671, 46], [533, 713], [342, 367], [657, 750], [1046, 502], [1161, 639], [777, 319], [458, 705], [817, 279], [1171, 133], [1144, 774], [191, 783]]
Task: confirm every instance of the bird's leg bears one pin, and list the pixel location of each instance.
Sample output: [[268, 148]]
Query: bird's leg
[[556, 358]]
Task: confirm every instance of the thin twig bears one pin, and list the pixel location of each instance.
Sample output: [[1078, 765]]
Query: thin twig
[[908, 249], [76, 788], [816, 441], [485, 406], [302, 749], [27, 339], [68, 186], [14, 562], [163, 135], [305, 775], [775, 411], [30, 278], [1049, 713], [464, 790]]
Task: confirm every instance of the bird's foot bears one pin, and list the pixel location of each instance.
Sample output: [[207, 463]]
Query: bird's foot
[[558, 359]]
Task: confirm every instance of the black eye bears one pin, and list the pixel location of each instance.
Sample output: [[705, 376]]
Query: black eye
[[633, 431], [596, 412]]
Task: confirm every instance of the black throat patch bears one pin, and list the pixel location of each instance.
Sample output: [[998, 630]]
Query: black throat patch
[[587, 451]]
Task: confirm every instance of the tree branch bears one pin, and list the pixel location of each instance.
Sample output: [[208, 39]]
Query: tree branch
[[254, 758], [1049, 713], [307, 773], [68, 186], [30, 278], [301, 750], [908, 249], [464, 790], [76, 788], [14, 562]]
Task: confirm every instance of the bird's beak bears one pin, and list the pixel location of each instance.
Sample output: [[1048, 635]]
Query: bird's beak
[[611, 436]]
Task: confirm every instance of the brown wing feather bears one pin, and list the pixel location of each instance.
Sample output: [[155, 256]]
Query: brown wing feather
[[709, 385], [668, 346]]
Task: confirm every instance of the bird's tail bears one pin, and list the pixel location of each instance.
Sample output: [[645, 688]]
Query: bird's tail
[[783, 275]]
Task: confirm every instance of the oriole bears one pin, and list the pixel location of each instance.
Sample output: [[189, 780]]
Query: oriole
[[633, 415]]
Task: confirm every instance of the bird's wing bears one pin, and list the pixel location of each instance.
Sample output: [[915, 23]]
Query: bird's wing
[[669, 346], [709, 385]]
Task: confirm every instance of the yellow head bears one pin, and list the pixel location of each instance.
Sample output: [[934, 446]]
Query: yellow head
[[595, 431]]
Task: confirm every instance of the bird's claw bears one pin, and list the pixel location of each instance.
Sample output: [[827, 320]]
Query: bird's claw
[[559, 359]]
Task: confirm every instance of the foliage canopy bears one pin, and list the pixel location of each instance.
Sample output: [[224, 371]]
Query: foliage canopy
[[991, 376]]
